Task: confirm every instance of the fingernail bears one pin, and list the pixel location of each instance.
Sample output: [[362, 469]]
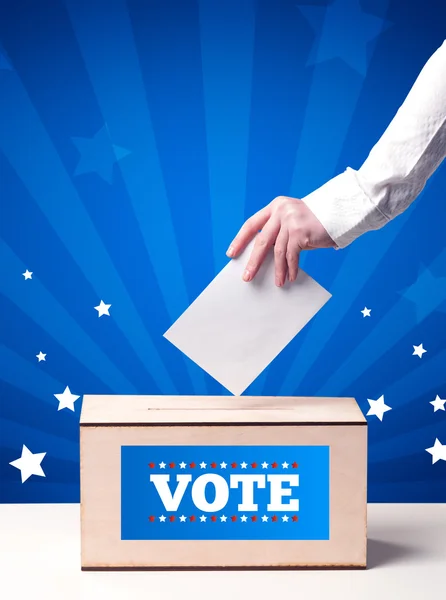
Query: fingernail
[[230, 251], [246, 276], [278, 282]]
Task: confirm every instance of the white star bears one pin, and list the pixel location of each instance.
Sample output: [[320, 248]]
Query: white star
[[182, 465], [27, 274], [223, 518], [438, 404], [29, 464], [378, 408], [438, 451], [203, 518], [162, 465], [243, 465], [418, 350], [243, 518], [223, 465], [103, 309], [285, 518], [41, 356], [162, 518], [182, 518], [285, 465], [66, 400], [366, 311], [264, 518], [264, 465], [202, 465]]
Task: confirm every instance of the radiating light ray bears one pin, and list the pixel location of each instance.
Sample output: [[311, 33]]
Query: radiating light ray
[[319, 146], [14, 435], [367, 252], [414, 438], [45, 178], [387, 333], [28, 377], [330, 108], [280, 86], [334, 92], [61, 326], [121, 97], [227, 74]]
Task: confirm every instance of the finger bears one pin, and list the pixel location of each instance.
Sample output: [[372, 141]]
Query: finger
[[264, 241], [280, 260], [292, 258], [248, 231]]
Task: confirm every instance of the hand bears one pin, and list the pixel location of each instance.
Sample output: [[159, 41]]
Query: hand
[[288, 225]]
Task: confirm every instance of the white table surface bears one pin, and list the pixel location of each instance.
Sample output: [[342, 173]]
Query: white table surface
[[40, 558]]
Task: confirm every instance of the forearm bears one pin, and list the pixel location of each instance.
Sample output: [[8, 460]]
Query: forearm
[[398, 166]]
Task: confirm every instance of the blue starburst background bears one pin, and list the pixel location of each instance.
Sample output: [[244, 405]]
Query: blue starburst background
[[135, 138]]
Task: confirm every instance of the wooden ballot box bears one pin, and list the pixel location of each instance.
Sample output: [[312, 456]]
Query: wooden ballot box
[[222, 482]]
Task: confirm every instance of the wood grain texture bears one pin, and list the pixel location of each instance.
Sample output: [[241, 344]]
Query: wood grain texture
[[102, 547], [217, 409]]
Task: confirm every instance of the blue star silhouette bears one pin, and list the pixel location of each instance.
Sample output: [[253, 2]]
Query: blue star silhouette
[[427, 293], [343, 30], [98, 155]]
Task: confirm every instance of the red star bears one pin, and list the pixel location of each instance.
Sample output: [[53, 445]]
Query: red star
[[274, 518], [172, 518], [254, 465], [274, 465], [152, 465], [234, 465], [234, 519], [294, 465], [172, 465], [254, 518], [192, 465], [213, 518], [151, 518], [295, 518], [214, 465], [192, 518]]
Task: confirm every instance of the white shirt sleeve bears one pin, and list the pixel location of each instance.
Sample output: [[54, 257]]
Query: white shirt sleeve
[[398, 166]]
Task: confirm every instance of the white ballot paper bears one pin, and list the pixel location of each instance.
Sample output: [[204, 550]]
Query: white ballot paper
[[234, 329]]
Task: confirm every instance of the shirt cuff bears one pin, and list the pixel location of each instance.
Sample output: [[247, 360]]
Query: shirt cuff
[[343, 208]]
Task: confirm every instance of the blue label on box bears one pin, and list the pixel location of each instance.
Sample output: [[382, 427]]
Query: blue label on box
[[225, 492]]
